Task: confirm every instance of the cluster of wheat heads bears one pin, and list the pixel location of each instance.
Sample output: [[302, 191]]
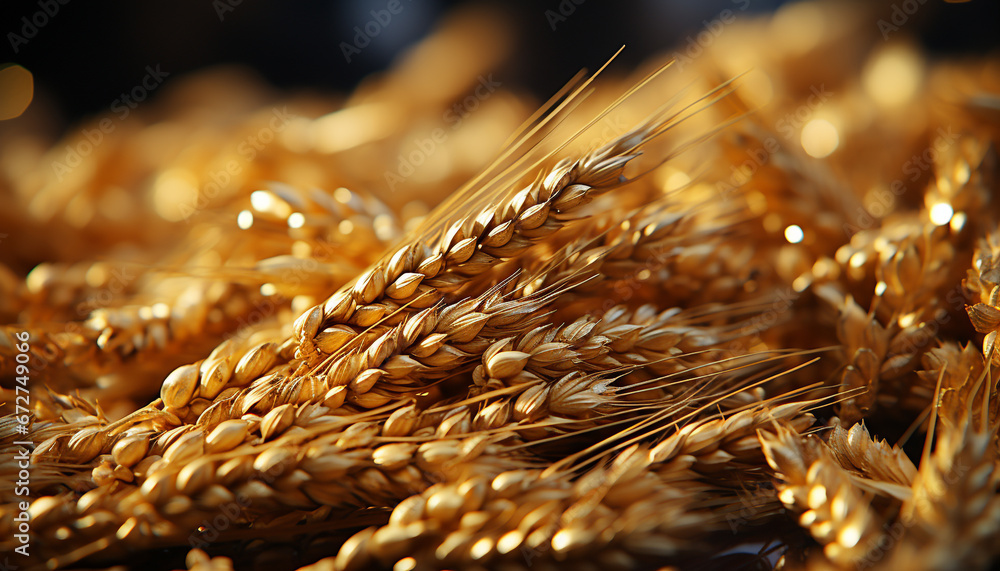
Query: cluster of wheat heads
[[652, 332]]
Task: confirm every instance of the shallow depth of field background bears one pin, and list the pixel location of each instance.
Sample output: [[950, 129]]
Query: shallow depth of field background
[[87, 54]]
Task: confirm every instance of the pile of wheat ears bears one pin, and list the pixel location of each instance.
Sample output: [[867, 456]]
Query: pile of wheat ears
[[651, 331]]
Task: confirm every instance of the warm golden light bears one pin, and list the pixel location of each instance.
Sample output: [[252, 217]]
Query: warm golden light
[[17, 88], [261, 200], [296, 220], [893, 76], [175, 194], [794, 234], [820, 138], [676, 180], [244, 219], [941, 213]]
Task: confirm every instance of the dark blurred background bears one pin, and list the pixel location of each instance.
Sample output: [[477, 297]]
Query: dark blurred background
[[86, 55]]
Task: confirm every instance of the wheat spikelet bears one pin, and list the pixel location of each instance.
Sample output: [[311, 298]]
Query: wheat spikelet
[[954, 494], [874, 460], [833, 508], [661, 341], [468, 246], [519, 511]]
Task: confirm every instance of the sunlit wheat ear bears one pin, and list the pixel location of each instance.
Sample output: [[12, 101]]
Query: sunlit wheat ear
[[694, 410], [879, 353], [874, 460], [452, 249], [665, 342], [633, 243], [198, 560], [984, 280], [238, 378], [812, 483], [550, 516], [183, 295], [960, 471], [285, 462]]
